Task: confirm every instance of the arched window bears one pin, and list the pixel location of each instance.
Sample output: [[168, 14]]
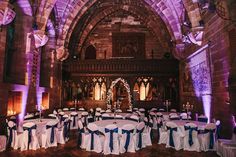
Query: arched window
[[90, 52]]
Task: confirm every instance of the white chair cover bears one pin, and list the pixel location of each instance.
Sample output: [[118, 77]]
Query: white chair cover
[[65, 109], [139, 136], [29, 139], [191, 142], [173, 110], [3, 143], [93, 140], [81, 109], [29, 116], [207, 139], [153, 110], [54, 112], [174, 136], [72, 109], [111, 143], [52, 116], [119, 111], [105, 116], [82, 133], [98, 116], [12, 135], [119, 117], [49, 139], [148, 131], [108, 111], [134, 117], [74, 120], [127, 140], [84, 118], [63, 131]]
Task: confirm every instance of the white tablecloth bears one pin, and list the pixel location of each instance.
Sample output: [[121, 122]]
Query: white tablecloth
[[119, 122], [40, 123]]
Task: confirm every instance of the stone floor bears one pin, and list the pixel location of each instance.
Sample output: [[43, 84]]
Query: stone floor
[[70, 150]]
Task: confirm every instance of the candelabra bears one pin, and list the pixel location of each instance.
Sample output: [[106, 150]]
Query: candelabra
[[188, 107], [167, 103]]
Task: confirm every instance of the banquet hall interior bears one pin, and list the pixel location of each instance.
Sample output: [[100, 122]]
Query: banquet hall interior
[[118, 77]]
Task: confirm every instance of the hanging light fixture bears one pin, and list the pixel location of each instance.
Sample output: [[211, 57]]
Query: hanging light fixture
[[7, 14]]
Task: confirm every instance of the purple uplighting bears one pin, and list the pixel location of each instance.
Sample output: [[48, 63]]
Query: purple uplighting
[[206, 100]]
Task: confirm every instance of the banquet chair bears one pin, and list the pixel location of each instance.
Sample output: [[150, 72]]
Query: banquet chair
[[102, 111], [119, 111], [37, 115], [12, 135], [49, 138], [108, 111], [148, 131], [153, 110], [84, 118], [29, 139], [161, 110], [93, 139], [191, 142], [65, 109], [54, 112], [224, 146], [129, 110], [72, 109], [111, 142], [173, 110], [184, 116], [118, 116], [82, 133], [142, 110], [74, 120], [59, 110], [135, 109], [127, 139], [98, 109], [202, 118], [60, 115], [106, 116], [81, 109], [3, 143], [28, 116], [140, 137], [207, 137], [174, 116], [174, 136], [98, 116], [161, 132], [52, 116], [152, 115], [134, 118], [64, 130]]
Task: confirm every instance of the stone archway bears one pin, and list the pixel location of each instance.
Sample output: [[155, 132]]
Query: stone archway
[[113, 83]]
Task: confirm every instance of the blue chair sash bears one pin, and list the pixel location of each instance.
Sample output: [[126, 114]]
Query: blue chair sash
[[111, 136], [85, 119], [159, 116], [80, 132], [159, 125], [66, 130], [140, 141], [52, 132], [92, 137], [127, 141], [29, 133], [235, 130], [61, 118], [171, 138], [217, 132], [203, 120], [11, 129], [74, 119], [190, 133], [212, 141]]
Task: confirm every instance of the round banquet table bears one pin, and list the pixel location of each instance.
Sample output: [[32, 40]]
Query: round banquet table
[[119, 123], [40, 123]]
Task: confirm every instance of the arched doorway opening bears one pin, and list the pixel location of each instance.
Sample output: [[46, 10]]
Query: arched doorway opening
[[119, 94], [90, 52]]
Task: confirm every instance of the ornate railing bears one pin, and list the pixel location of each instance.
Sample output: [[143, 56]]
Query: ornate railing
[[122, 66]]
